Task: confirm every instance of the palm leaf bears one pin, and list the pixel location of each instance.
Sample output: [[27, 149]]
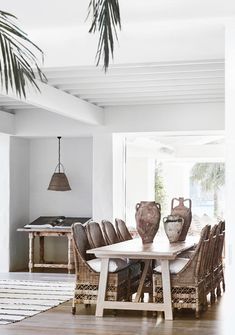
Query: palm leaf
[[18, 64], [210, 176], [105, 19]]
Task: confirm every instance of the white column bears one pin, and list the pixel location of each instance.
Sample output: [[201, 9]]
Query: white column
[[19, 202], [102, 197], [4, 202], [230, 173], [119, 176]]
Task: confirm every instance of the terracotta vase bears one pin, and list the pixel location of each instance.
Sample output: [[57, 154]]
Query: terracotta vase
[[173, 225], [183, 211], [148, 215]]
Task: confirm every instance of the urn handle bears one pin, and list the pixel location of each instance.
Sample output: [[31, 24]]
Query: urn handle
[[137, 206], [181, 200], [189, 203], [164, 219], [158, 206]]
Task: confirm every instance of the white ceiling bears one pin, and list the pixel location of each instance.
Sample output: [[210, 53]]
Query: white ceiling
[[190, 147], [170, 51], [54, 13]]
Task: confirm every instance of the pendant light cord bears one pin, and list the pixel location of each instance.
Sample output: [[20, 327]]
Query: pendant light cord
[[59, 137]]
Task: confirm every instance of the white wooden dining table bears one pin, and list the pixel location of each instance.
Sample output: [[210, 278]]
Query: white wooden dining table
[[161, 250]]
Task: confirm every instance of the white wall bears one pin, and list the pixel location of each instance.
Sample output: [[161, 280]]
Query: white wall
[[76, 156], [19, 202], [4, 201], [171, 117]]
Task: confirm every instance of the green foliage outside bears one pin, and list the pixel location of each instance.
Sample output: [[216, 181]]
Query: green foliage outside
[[160, 193]]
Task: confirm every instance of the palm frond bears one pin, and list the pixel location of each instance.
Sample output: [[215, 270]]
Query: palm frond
[[18, 64], [105, 19], [210, 176]]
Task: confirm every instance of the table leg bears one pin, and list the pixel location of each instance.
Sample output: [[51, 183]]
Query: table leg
[[102, 287], [142, 280], [166, 285], [41, 249], [31, 251], [70, 254]]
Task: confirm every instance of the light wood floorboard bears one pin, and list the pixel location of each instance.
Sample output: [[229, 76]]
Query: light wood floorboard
[[60, 321]]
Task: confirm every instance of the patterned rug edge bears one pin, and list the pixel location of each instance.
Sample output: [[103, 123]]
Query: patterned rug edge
[[8, 314]]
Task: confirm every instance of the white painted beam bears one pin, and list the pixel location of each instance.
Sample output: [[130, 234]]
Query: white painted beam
[[138, 77], [150, 94], [7, 123], [68, 84], [56, 101], [142, 88], [81, 72]]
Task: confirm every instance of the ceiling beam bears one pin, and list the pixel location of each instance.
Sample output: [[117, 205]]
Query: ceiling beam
[[7, 123], [59, 102], [140, 85]]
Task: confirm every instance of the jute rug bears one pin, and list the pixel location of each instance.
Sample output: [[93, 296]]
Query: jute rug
[[20, 299]]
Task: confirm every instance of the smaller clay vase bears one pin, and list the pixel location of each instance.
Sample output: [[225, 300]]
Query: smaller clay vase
[[184, 212], [173, 225], [148, 215]]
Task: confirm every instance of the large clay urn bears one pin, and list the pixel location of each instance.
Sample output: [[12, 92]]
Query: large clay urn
[[148, 215], [183, 211]]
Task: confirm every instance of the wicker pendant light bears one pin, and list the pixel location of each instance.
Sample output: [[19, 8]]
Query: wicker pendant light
[[59, 181]]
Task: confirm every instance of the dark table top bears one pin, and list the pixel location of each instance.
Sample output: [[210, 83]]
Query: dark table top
[[53, 222]]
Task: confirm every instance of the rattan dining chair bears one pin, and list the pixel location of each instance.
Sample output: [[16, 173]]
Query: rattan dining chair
[[87, 279], [187, 278], [218, 266], [124, 235], [210, 260], [111, 237]]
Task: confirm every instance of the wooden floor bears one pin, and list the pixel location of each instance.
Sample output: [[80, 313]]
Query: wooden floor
[[60, 321]]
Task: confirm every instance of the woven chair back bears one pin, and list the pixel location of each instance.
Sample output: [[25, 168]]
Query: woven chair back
[[200, 252], [220, 242], [80, 241], [122, 231], [213, 241], [207, 253], [109, 232], [94, 234]]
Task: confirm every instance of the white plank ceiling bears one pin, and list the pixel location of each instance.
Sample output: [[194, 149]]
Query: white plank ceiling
[[136, 84]]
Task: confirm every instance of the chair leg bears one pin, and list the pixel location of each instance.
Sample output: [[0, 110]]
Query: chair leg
[[142, 297], [197, 305], [205, 303], [73, 310], [212, 299], [223, 284], [218, 291], [150, 297]]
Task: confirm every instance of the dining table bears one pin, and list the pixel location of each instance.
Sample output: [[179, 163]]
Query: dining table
[[161, 250]]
